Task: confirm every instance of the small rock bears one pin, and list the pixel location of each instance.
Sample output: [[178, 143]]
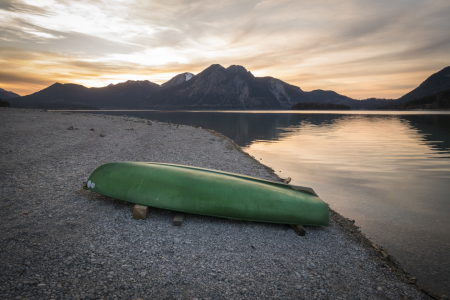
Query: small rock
[[92, 129], [412, 280], [70, 127], [379, 288], [102, 135], [375, 246]]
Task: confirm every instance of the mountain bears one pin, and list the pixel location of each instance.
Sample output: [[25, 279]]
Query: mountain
[[179, 79], [215, 87], [234, 87], [436, 83], [125, 95], [7, 95], [438, 101]]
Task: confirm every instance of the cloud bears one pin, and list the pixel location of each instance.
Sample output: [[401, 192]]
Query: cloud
[[23, 8], [26, 35], [358, 48]]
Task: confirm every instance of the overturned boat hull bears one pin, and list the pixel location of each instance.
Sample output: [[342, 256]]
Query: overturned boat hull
[[209, 192]]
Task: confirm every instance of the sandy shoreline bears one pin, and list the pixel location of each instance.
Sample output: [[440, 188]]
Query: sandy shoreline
[[59, 243]]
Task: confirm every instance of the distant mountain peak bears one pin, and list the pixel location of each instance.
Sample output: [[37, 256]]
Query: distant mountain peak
[[214, 67], [438, 82], [233, 87], [132, 82], [7, 94], [58, 84], [125, 95], [188, 75], [445, 72], [178, 79], [137, 82], [236, 69]]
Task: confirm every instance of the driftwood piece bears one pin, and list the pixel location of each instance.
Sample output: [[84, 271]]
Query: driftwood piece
[[140, 212], [178, 220], [299, 229]]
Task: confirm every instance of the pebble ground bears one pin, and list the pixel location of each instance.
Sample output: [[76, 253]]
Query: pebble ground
[[60, 242]]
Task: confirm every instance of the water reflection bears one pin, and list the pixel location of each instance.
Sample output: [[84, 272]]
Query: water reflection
[[389, 173], [435, 130], [245, 127]]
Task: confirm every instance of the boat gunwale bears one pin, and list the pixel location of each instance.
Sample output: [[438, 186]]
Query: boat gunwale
[[298, 188]]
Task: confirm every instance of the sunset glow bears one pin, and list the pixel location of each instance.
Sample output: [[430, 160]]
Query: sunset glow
[[359, 49]]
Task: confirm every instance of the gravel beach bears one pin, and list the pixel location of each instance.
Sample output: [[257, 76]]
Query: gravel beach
[[60, 242]]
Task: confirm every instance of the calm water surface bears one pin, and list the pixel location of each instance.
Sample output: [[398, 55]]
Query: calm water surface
[[389, 171]]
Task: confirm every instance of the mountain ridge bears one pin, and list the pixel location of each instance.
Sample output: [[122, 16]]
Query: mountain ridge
[[234, 87], [7, 94], [178, 79], [437, 82], [125, 95], [216, 87]]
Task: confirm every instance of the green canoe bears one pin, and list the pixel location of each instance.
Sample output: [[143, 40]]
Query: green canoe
[[209, 192]]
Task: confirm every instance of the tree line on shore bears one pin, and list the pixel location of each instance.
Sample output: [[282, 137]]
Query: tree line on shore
[[4, 103], [319, 106]]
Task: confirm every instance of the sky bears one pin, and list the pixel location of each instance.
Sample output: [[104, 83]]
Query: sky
[[358, 48]]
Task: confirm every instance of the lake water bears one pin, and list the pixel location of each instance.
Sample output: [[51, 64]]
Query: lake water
[[389, 171]]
